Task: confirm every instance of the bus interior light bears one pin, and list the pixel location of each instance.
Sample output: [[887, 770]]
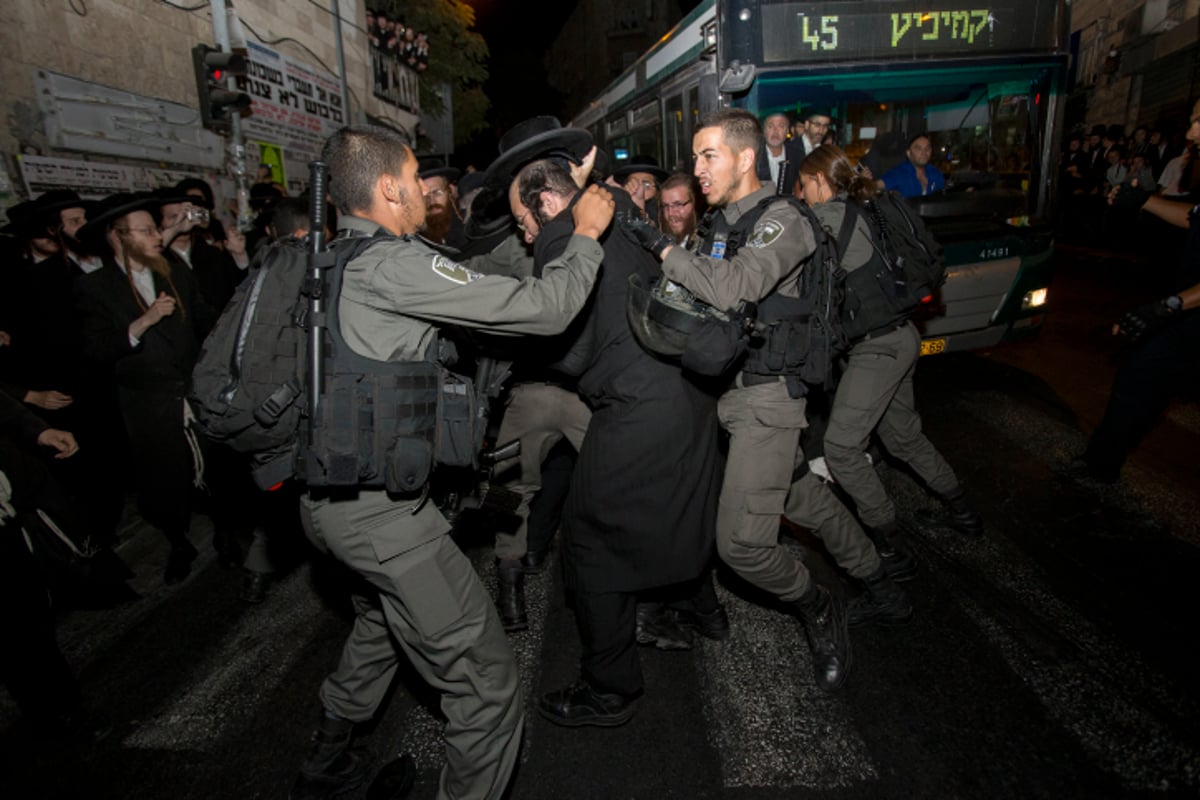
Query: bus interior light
[[1034, 299]]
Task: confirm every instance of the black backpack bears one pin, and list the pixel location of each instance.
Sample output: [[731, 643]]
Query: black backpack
[[906, 270], [248, 387], [380, 424]]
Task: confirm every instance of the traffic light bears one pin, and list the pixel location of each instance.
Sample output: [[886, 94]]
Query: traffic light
[[218, 104]]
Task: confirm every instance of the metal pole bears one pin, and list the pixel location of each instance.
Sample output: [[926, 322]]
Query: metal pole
[[335, 8], [236, 149]]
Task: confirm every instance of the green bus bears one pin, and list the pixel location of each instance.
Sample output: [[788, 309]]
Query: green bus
[[985, 81]]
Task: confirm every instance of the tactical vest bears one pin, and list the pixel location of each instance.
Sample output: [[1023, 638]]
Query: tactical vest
[[384, 424], [799, 336], [877, 297]]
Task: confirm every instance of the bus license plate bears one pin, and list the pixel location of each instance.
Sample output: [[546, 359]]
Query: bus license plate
[[930, 347]]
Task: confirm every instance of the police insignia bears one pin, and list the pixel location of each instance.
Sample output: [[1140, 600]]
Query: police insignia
[[764, 233], [453, 271]]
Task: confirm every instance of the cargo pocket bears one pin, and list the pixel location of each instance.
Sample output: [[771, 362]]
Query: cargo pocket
[[424, 586], [759, 526]]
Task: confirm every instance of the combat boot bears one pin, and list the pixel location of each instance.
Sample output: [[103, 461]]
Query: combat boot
[[824, 618], [331, 768], [881, 603], [956, 513], [897, 558], [510, 580]]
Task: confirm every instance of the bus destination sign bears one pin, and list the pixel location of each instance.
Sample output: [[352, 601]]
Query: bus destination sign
[[805, 32]]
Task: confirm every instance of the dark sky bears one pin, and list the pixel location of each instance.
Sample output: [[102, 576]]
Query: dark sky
[[518, 34]]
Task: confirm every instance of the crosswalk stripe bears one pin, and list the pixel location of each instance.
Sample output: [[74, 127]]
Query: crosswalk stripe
[[768, 720], [254, 657], [1113, 703]]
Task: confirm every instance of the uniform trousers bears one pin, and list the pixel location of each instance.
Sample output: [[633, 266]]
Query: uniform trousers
[[764, 425], [540, 415], [876, 393], [1142, 389], [426, 599]]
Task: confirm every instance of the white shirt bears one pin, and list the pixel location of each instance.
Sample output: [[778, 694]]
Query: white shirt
[[774, 162], [143, 281]]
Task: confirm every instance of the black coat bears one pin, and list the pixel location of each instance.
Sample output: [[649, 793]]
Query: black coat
[[642, 507], [217, 275], [152, 380], [793, 151]]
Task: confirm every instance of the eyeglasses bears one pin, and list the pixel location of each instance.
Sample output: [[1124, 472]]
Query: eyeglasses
[[436, 193], [521, 222], [142, 231], [676, 206], [643, 184]]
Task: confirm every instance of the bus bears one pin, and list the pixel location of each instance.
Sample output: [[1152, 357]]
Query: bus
[[985, 80]]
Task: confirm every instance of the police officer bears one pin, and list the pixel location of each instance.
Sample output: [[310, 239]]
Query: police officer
[[875, 392], [1165, 335], [764, 411], [425, 598]]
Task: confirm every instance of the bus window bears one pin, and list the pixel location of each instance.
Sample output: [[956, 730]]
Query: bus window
[[678, 143]]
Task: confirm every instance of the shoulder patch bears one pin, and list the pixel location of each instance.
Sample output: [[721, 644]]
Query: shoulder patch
[[453, 271], [765, 232]]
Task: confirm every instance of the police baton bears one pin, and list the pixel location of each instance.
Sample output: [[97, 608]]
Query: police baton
[[316, 297]]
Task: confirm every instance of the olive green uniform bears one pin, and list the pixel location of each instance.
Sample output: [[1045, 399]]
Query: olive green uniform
[[876, 393], [427, 599], [763, 421]]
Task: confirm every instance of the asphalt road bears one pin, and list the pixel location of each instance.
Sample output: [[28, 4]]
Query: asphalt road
[[1052, 657]]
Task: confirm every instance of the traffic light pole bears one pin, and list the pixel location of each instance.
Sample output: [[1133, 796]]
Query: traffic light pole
[[236, 148]]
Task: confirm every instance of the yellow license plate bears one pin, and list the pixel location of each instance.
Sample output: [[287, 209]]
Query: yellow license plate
[[930, 347]]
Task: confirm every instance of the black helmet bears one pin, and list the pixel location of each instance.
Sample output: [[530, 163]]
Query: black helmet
[[668, 320]]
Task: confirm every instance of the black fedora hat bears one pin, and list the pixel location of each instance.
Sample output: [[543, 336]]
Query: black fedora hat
[[436, 168], [470, 182], [647, 164], [41, 209], [115, 206], [538, 137]]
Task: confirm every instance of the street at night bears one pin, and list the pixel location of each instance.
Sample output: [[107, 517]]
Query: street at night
[[1053, 657]]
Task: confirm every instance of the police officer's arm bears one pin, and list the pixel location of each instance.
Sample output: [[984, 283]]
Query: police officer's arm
[[781, 240], [510, 257], [425, 284]]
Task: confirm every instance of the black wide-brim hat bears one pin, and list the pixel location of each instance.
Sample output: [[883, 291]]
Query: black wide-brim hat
[[539, 137], [470, 182], [437, 169], [647, 164], [115, 206], [30, 212]]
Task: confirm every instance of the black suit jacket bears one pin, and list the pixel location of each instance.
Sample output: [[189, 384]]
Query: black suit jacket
[[793, 152]]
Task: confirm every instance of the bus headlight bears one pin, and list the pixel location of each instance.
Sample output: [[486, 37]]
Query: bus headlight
[[1034, 299]]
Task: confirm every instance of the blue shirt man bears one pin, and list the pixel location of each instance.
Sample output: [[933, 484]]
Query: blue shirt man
[[916, 177]]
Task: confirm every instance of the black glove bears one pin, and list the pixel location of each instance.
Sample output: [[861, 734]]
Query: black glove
[[1138, 322], [1130, 197], [641, 231]]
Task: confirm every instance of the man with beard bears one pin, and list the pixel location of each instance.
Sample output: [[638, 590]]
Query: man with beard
[[813, 127], [779, 160], [185, 218], [443, 225], [420, 595], [640, 177], [641, 511], [678, 195], [143, 321]]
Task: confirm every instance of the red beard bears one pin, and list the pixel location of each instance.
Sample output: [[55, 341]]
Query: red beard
[[438, 221]]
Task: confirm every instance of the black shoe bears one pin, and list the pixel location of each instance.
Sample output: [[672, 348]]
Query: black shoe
[[510, 580], [897, 558], [656, 626], [533, 561], [332, 766], [955, 514], [254, 586], [881, 603], [179, 561], [395, 781], [579, 704], [824, 617], [711, 625]]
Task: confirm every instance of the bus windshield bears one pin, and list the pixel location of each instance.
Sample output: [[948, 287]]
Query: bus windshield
[[984, 122]]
